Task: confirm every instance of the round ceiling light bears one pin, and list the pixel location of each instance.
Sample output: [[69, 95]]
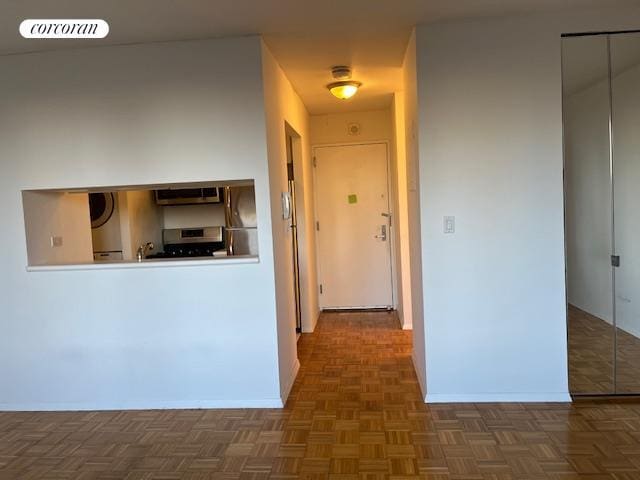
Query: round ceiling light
[[344, 88]]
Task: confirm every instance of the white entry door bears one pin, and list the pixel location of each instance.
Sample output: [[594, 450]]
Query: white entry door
[[352, 207]]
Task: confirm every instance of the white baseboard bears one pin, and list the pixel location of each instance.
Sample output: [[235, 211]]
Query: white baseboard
[[141, 405], [552, 397], [289, 385], [407, 326]]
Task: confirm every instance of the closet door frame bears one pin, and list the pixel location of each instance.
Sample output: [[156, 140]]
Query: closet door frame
[[615, 259]]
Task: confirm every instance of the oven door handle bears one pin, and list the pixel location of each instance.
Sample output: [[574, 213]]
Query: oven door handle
[[230, 242]]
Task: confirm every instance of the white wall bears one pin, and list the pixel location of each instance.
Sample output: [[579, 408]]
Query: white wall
[[282, 105], [588, 199], [375, 125], [491, 155], [490, 114], [149, 337], [48, 214]]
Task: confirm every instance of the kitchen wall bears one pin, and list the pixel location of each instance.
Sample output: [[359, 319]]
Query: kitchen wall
[[490, 116], [141, 222], [181, 336], [64, 215], [285, 110]]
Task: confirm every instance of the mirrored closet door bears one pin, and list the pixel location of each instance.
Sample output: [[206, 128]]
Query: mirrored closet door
[[601, 109], [625, 134]]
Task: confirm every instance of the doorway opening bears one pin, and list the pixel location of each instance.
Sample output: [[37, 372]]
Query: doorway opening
[[353, 222], [293, 150]]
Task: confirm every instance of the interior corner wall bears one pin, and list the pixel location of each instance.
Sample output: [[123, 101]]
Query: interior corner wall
[[401, 200], [284, 107], [395, 159], [490, 111], [410, 100], [178, 337]]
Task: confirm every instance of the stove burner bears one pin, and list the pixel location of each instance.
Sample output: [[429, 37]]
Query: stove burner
[[189, 250]]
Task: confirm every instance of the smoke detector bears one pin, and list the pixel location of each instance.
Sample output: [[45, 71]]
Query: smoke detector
[[341, 72]]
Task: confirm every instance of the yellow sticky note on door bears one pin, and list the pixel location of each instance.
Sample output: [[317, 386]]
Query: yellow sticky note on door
[[353, 198]]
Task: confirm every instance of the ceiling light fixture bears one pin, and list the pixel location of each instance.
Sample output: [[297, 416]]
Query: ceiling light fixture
[[344, 88]]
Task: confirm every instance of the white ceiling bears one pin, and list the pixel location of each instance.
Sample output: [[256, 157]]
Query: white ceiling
[[376, 61], [306, 36]]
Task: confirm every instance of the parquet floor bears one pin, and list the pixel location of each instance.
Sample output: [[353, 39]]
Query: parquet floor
[[355, 413], [590, 342], [591, 356]]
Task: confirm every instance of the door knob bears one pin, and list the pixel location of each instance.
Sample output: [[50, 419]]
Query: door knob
[[383, 233]]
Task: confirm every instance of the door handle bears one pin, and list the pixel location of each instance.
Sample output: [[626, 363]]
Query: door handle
[[383, 233], [230, 246]]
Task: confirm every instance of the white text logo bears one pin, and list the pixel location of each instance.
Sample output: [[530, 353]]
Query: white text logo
[[64, 28]]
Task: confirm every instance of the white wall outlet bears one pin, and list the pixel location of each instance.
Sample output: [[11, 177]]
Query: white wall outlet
[[449, 224], [56, 241]]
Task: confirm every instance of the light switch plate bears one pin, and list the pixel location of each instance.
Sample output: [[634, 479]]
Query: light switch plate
[[449, 224]]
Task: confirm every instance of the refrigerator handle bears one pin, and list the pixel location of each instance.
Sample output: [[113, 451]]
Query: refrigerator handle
[[230, 242], [228, 217]]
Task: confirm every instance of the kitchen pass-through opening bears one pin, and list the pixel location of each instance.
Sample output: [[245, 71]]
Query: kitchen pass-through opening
[[150, 223]]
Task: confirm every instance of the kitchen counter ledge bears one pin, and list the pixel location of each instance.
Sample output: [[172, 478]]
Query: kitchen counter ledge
[[148, 263]]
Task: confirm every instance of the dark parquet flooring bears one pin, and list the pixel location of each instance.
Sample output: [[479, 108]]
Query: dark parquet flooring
[[355, 413], [593, 351]]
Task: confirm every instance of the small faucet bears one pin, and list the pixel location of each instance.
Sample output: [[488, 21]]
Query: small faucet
[[143, 250]]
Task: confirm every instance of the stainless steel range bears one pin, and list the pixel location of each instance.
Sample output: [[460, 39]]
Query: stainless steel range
[[192, 242]]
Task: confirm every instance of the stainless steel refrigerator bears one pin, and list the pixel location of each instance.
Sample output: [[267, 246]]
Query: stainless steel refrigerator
[[240, 218]]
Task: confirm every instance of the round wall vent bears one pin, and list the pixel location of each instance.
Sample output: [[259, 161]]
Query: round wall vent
[[353, 129]]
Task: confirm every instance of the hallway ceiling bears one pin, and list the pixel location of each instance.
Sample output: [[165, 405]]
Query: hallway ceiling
[[307, 37], [376, 61]]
